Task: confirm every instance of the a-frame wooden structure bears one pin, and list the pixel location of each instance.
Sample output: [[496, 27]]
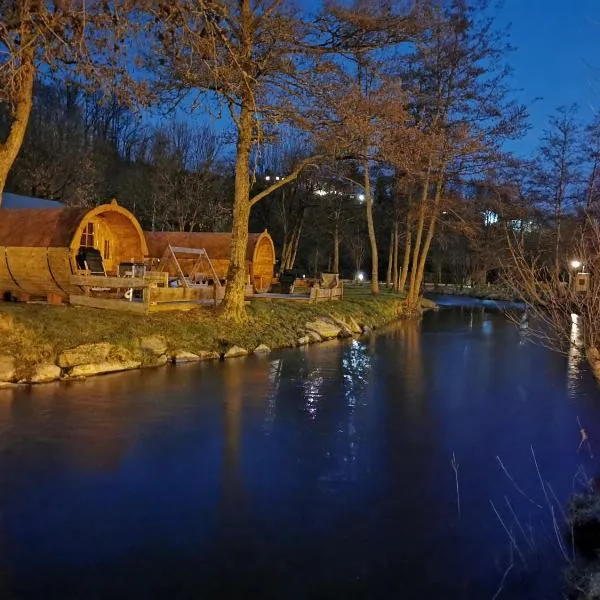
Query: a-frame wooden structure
[[171, 253]]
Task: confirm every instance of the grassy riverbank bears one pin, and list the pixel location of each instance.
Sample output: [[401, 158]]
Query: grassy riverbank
[[482, 292], [38, 333]]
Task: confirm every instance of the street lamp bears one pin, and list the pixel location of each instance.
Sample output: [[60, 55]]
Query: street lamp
[[575, 264]]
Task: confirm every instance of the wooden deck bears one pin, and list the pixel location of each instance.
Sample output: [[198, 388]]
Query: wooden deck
[[136, 306]]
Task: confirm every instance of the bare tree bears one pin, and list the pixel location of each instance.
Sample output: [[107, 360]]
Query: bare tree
[[246, 55], [361, 92], [558, 170], [74, 38], [563, 306], [457, 82]]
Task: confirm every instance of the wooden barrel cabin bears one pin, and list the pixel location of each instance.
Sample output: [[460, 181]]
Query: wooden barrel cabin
[[260, 254], [39, 246]]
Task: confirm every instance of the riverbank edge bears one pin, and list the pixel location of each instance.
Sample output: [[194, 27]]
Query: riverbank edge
[[44, 344], [481, 292]]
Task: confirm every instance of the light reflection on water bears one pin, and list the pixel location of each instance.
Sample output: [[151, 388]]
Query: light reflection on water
[[318, 472]]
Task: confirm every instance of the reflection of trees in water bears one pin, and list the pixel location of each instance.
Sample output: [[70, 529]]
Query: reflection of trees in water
[[90, 423], [232, 432], [409, 359], [245, 381]]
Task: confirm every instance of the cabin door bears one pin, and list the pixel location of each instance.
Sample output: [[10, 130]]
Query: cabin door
[[97, 234]]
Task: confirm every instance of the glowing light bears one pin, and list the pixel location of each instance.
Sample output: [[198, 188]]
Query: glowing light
[[277, 178], [268, 178], [321, 192], [360, 276], [575, 264], [361, 197], [490, 217]]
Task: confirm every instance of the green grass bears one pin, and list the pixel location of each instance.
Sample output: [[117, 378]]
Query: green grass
[[40, 332]]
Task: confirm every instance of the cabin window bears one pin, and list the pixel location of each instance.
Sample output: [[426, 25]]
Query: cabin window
[[87, 236], [106, 249]]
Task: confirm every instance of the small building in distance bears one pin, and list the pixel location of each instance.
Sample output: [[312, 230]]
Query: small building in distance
[[39, 246], [260, 254]]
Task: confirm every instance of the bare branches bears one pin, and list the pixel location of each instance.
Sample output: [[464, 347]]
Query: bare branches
[[311, 161]]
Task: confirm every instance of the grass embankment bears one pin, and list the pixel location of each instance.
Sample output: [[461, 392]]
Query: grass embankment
[[482, 292], [39, 332]]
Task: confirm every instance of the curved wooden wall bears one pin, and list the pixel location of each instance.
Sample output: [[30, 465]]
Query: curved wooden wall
[[42, 270], [263, 260]]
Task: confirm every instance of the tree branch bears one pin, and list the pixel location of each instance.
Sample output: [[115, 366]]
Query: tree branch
[[311, 160]]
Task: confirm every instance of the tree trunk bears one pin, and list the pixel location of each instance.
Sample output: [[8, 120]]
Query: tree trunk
[[412, 293], [9, 149], [388, 279], [430, 232], [395, 256], [371, 228], [296, 241], [336, 250], [233, 302], [406, 259]]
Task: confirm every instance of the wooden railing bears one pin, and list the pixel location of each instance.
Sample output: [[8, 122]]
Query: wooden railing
[[318, 294]]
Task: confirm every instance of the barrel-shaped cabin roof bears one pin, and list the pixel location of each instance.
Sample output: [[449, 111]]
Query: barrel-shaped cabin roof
[[35, 227], [56, 228], [217, 245]]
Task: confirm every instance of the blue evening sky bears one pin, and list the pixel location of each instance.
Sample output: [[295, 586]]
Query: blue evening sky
[[557, 58]]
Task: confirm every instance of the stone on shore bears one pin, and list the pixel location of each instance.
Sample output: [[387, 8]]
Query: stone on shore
[[155, 361], [314, 337], [209, 355], [84, 354], [262, 349], [354, 326], [235, 352], [325, 329], [303, 341], [183, 356], [101, 368], [44, 373]]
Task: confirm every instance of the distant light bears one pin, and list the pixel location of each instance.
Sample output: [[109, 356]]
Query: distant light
[[575, 264], [361, 197], [321, 192], [444, 212], [360, 276], [304, 276], [268, 178], [277, 178], [490, 217]]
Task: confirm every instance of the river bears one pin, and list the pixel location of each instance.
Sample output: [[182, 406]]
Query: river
[[370, 468]]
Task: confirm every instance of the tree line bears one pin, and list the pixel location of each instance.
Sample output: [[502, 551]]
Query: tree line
[[373, 130]]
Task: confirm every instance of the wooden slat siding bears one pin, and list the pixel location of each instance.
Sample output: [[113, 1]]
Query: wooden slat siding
[[322, 294], [61, 265], [109, 304], [156, 277], [29, 268], [181, 294], [262, 263], [217, 245], [7, 282], [37, 247], [53, 297], [109, 282]]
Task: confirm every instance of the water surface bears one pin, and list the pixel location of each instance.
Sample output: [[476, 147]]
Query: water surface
[[323, 472]]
